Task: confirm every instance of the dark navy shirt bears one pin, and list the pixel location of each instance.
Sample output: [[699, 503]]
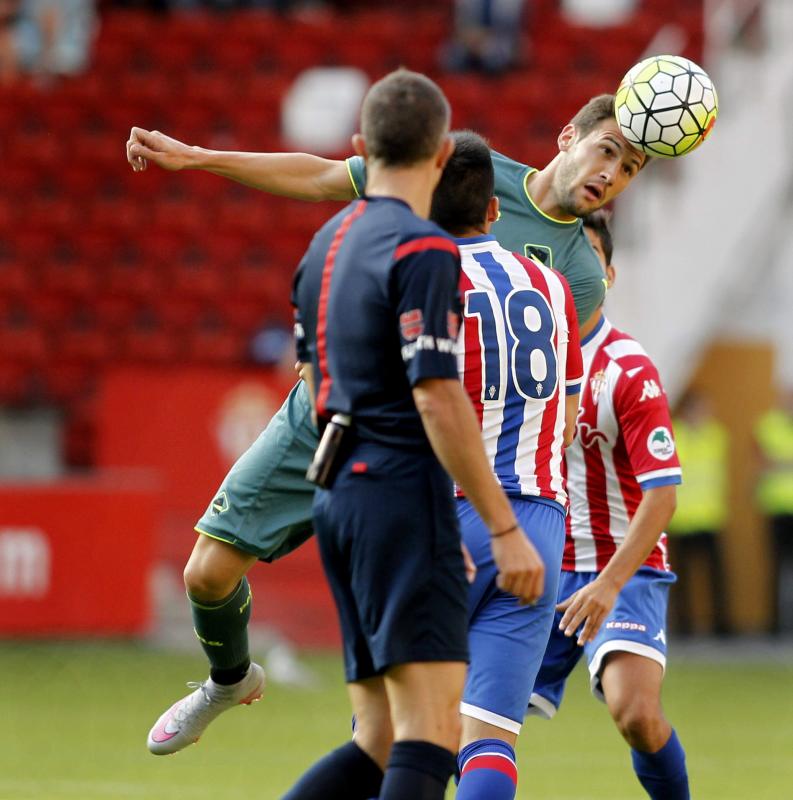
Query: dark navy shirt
[[378, 310]]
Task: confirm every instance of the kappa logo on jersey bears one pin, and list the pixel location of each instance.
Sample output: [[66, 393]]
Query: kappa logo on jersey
[[650, 391], [660, 444], [597, 383], [220, 503], [453, 324], [589, 435], [411, 323]]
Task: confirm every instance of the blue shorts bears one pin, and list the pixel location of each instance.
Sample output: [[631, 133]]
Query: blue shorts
[[507, 640], [636, 624], [390, 545]]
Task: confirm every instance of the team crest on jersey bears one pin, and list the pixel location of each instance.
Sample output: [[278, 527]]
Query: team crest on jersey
[[597, 383], [411, 323], [220, 503], [539, 252], [453, 324], [660, 444]]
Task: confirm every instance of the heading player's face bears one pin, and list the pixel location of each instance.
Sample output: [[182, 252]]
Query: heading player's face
[[595, 169]]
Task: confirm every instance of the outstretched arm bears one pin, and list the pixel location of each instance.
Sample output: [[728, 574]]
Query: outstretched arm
[[591, 604], [297, 175]]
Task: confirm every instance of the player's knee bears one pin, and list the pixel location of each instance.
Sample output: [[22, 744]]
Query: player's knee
[[438, 725], [642, 724], [204, 583], [374, 736]]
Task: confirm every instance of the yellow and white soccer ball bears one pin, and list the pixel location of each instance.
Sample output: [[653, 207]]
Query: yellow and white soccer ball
[[666, 106]]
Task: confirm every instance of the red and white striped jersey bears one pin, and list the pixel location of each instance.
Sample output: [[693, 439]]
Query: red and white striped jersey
[[624, 445], [518, 355]]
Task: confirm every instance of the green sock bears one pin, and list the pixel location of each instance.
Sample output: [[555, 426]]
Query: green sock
[[222, 629]]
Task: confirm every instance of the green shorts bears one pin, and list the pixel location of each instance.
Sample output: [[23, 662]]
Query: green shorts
[[263, 506]]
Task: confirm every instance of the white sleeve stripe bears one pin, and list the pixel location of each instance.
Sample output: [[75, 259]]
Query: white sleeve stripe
[[624, 347], [658, 473], [575, 381]]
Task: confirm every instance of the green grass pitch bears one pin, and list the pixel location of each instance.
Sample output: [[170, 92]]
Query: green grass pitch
[[75, 717]]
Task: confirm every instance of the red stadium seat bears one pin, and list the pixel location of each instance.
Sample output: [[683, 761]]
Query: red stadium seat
[[150, 346], [212, 343], [67, 383], [14, 383], [24, 343], [16, 277], [69, 277]]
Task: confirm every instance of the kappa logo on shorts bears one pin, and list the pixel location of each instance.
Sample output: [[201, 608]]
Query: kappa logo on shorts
[[220, 503], [625, 626], [411, 323]]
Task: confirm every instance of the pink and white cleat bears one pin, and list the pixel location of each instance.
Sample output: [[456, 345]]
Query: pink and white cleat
[[184, 722]]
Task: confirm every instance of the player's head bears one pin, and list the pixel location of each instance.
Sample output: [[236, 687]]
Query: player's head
[[597, 227], [595, 161], [404, 121], [463, 201]]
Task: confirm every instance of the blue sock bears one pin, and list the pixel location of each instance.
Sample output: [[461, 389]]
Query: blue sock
[[418, 770], [487, 769], [663, 774]]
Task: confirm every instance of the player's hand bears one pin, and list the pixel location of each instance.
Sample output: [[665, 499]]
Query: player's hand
[[164, 151], [470, 566], [588, 606], [520, 568]]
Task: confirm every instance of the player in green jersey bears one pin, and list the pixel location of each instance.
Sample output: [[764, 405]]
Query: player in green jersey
[[263, 507]]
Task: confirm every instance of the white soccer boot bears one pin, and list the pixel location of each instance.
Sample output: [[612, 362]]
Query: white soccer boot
[[184, 722]]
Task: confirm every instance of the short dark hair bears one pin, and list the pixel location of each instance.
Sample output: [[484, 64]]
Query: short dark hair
[[403, 118], [591, 114], [600, 223], [466, 186]]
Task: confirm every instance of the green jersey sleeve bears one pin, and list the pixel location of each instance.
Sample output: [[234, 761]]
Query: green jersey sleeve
[[356, 169]]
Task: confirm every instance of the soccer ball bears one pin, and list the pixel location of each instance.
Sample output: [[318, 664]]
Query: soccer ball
[[666, 106]]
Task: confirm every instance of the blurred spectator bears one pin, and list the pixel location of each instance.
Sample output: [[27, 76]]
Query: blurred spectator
[[54, 37], [774, 438], [694, 547], [9, 22], [213, 5], [487, 36], [149, 5]]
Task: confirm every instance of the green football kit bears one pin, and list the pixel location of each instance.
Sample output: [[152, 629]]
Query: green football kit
[[263, 506]]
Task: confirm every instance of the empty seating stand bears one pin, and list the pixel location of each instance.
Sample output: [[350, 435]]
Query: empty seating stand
[[101, 266]]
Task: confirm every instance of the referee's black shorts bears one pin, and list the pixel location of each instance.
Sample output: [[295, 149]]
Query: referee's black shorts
[[390, 545]]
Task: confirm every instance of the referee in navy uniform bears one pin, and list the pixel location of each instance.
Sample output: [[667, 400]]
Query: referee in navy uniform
[[377, 317]]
